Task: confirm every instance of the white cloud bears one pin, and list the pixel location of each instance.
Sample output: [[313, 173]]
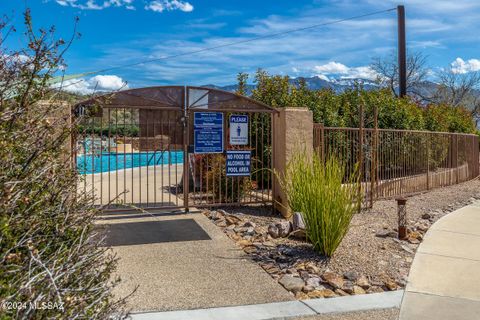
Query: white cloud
[[96, 4], [95, 84], [332, 68], [461, 66], [169, 5], [345, 72]]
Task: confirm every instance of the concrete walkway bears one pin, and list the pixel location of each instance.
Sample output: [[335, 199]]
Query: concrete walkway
[[183, 261], [444, 280]]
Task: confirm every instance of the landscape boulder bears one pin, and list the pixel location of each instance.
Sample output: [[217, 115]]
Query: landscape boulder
[[273, 231], [284, 228], [291, 283]]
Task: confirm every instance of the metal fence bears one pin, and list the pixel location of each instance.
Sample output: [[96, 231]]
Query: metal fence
[[136, 149], [400, 162]]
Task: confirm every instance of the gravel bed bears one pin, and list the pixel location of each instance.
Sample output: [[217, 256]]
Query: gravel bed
[[370, 257]]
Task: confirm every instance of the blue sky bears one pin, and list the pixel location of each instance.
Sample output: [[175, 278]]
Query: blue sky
[[117, 32]]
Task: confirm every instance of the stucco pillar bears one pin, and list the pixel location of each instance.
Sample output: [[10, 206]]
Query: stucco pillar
[[293, 129]]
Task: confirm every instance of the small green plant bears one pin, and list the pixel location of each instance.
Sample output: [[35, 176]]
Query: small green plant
[[325, 197], [225, 189]]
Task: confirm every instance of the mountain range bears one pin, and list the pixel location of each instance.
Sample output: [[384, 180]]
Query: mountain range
[[313, 83]]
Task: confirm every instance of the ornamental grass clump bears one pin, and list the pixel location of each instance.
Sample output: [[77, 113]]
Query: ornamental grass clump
[[326, 197]]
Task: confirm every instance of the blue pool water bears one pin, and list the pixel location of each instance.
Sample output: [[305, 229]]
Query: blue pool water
[[113, 161]]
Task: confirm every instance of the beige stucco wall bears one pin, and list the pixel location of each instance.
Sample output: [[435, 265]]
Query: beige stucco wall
[[293, 129]]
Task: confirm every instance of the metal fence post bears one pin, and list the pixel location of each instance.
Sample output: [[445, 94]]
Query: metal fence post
[[428, 161], [360, 139], [456, 158], [322, 142], [373, 166]]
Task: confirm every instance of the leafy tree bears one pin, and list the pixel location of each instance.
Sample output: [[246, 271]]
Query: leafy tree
[[447, 118], [342, 109], [242, 78]]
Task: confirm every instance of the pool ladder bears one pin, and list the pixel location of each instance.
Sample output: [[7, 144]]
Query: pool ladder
[[153, 155]]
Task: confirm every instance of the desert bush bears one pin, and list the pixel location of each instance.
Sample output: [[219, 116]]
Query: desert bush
[[51, 265], [225, 189], [328, 203]]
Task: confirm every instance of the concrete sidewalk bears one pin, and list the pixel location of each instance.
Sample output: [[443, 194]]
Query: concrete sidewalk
[[183, 261], [444, 279]]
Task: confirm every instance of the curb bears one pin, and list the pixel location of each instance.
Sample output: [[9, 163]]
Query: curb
[[373, 301]]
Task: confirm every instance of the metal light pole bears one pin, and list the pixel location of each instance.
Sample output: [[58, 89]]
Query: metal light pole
[[402, 52]]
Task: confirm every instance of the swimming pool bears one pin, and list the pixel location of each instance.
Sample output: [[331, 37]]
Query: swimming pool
[[112, 161]]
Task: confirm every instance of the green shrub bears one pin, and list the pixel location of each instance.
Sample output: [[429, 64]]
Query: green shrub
[[52, 264], [328, 203], [445, 118], [225, 189]]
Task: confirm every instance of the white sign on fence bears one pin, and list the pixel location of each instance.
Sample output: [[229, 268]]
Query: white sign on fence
[[238, 130]]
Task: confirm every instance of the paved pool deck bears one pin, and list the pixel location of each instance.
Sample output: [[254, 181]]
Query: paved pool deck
[[444, 279], [166, 256], [151, 186]]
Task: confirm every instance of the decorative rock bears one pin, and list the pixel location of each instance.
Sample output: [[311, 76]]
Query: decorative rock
[[250, 249], [232, 220], [301, 295], [215, 215], [362, 281], [291, 271], [250, 231], [323, 293], [298, 223], [284, 228], [244, 243], [269, 244], [312, 268], [291, 283], [333, 279], [374, 289], [426, 216], [221, 223], [407, 249], [249, 224], [234, 236], [304, 275], [308, 288], [390, 284], [314, 282], [422, 226], [299, 234], [413, 241], [386, 234], [273, 231], [415, 235], [341, 293], [347, 287], [358, 290], [351, 275]]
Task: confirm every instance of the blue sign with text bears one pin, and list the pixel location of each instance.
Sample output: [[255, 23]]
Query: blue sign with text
[[208, 132], [238, 163]]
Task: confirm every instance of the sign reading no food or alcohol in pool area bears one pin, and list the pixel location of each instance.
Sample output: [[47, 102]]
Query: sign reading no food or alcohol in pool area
[[238, 163], [208, 132], [238, 130]]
